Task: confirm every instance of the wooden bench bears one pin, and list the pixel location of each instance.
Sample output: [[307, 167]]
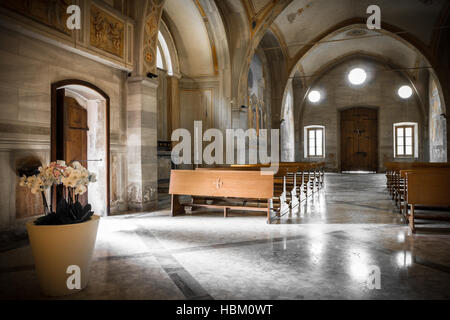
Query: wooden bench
[[312, 173], [221, 189], [396, 183], [403, 189], [429, 189], [293, 182]]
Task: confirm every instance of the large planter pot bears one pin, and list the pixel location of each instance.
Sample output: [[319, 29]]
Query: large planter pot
[[55, 248]]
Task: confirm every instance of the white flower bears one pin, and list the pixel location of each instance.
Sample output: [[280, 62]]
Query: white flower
[[77, 165], [75, 176], [80, 189], [61, 163], [23, 181]]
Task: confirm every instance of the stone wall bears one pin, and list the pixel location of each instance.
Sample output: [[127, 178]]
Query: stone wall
[[379, 91], [28, 68]]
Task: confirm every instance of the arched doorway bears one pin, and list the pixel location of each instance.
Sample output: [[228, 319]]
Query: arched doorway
[[80, 130], [359, 139]]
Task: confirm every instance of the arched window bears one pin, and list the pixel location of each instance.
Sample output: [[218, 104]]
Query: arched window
[[159, 62], [163, 60]]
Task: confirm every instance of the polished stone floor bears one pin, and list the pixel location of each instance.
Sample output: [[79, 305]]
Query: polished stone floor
[[325, 251]]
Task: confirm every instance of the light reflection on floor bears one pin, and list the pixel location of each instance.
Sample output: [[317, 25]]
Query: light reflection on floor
[[324, 252]]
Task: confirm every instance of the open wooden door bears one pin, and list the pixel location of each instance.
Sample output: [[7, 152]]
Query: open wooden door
[[359, 139], [71, 136], [75, 136], [71, 140]]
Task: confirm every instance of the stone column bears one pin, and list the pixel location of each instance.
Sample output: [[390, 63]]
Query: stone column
[[142, 186]]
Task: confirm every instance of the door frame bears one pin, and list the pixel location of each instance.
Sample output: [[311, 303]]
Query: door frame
[[56, 144], [340, 110]]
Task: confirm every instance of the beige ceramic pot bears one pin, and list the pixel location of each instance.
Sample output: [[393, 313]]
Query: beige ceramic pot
[[56, 248]]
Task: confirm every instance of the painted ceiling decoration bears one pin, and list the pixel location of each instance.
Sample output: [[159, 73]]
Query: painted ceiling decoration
[[256, 11], [151, 28], [211, 39]]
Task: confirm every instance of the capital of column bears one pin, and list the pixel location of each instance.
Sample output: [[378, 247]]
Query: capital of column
[[145, 81]]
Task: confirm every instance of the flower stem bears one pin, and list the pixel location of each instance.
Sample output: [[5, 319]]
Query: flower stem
[[44, 201]]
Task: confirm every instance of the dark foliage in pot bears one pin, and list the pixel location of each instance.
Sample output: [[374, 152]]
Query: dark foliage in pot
[[66, 214]]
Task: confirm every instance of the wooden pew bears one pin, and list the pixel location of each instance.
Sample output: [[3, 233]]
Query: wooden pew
[[429, 189], [403, 176], [396, 183], [218, 188], [312, 172], [281, 194], [293, 182]]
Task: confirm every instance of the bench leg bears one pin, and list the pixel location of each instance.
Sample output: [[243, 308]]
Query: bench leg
[[411, 220], [225, 213], [269, 208], [175, 206]]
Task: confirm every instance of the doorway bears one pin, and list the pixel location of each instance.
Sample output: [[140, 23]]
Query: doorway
[[359, 139], [80, 132]]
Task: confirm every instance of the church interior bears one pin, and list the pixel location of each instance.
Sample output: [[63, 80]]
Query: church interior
[[348, 97]]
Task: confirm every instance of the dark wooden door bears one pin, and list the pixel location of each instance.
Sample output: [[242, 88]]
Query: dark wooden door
[[359, 139], [75, 135]]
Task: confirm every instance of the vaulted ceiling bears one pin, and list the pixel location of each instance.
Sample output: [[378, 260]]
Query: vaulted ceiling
[[307, 34], [313, 34], [185, 21], [356, 39], [305, 21]]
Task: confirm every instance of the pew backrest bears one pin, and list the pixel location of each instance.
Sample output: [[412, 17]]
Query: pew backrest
[[404, 173], [428, 188], [221, 183]]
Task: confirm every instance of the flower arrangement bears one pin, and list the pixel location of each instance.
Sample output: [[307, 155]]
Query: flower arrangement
[[74, 180]]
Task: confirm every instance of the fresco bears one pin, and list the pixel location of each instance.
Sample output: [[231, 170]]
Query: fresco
[[437, 126], [107, 32], [52, 13]]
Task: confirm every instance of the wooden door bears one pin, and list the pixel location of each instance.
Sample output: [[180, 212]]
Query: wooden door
[[75, 135], [359, 139], [196, 105]]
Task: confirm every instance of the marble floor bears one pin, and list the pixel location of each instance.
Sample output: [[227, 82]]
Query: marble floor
[[326, 251]]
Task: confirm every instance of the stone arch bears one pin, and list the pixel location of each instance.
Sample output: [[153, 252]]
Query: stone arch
[[297, 68], [86, 92]]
